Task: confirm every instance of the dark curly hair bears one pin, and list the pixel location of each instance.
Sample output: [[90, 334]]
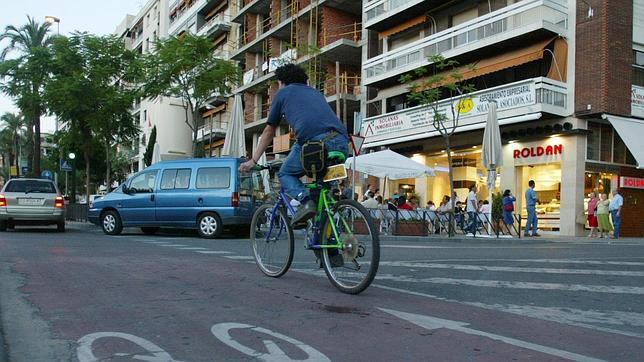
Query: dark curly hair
[[291, 73]]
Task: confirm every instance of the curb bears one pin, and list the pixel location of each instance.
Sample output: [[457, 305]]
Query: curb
[[462, 239]]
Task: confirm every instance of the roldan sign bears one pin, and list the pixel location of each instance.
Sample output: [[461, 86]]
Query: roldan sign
[[536, 153], [631, 182]]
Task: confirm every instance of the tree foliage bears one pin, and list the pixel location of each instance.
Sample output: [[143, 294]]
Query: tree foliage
[[90, 91], [149, 150], [444, 93], [23, 77], [186, 67]]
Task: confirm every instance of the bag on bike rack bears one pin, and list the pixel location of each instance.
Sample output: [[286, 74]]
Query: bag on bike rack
[[312, 157]]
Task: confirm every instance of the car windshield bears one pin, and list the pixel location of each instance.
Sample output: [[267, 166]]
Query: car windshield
[[29, 186]]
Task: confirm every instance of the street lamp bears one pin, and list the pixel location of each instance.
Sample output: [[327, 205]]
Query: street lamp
[[52, 19], [72, 156]]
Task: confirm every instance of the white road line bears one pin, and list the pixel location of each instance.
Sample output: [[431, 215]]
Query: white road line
[[513, 269], [580, 261], [157, 242], [172, 245], [430, 323], [525, 311], [239, 257], [192, 248], [212, 252], [517, 285], [523, 247]]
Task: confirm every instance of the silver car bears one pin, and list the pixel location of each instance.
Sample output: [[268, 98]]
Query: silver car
[[29, 201]]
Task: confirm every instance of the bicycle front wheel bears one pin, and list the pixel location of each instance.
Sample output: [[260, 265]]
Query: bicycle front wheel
[[271, 239], [352, 266]]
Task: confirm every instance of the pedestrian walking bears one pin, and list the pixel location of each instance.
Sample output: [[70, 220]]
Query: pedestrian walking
[[615, 208], [592, 218], [472, 208], [602, 216], [531, 207], [508, 208]]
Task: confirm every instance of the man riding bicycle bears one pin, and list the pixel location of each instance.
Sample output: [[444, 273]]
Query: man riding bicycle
[[310, 116]]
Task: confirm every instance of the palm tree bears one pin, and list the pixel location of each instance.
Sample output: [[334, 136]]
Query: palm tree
[[14, 126], [27, 73]]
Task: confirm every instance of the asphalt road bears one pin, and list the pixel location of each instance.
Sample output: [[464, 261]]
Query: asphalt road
[[84, 296]]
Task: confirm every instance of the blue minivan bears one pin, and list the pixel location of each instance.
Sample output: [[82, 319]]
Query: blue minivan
[[207, 194]]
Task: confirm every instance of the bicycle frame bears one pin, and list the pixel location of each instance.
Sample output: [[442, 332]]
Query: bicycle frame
[[325, 203]]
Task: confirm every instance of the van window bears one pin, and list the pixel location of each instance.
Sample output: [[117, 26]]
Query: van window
[[175, 179], [144, 183], [213, 178]]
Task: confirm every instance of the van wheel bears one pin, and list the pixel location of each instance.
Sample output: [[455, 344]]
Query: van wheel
[[150, 230], [61, 227], [209, 225], [111, 223]]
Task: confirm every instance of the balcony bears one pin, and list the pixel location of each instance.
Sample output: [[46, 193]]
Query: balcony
[[514, 21], [180, 19], [217, 129], [378, 12], [216, 26], [527, 98]]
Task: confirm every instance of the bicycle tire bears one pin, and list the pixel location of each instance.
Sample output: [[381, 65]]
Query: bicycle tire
[[280, 239], [349, 278]]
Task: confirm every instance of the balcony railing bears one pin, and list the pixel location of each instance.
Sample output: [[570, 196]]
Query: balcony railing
[[509, 22], [216, 127], [389, 7], [220, 19], [530, 96]]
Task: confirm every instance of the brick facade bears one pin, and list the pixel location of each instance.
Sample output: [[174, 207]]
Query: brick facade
[[604, 57], [251, 27], [334, 23]]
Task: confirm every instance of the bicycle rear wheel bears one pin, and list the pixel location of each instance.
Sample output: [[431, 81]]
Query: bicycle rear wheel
[[352, 267], [271, 239]]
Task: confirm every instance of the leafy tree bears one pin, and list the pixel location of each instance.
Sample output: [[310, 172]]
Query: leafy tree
[[90, 90], [149, 150], [14, 127], [24, 77], [445, 94], [186, 67]]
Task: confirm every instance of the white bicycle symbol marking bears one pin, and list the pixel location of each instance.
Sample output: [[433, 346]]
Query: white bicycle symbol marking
[[221, 331]]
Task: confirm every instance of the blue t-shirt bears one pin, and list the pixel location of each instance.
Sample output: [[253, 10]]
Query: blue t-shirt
[[306, 111]]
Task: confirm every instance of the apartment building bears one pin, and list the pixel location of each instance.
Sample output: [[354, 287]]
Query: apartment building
[[323, 36], [559, 70], [211, 18], [173, 136]]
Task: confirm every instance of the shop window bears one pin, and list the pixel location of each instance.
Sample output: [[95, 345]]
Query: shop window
[[399, 102], [638, 76], [621, 154]]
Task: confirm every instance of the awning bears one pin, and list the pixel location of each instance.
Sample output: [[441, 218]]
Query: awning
[[402, 27], [630, 130], [514, 58], [389, 164]]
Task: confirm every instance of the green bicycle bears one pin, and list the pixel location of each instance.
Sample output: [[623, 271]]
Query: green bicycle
[[342, 234]]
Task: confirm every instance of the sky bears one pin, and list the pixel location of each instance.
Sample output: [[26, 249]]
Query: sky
[[99, 17]]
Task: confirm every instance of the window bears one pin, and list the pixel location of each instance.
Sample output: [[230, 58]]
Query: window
[[213, 178], [175, 179], [604, 144], [30, 186], [638, 68], [144, 183]]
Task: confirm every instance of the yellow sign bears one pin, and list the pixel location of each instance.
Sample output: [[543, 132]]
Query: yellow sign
[[14, 171], [465, 105], [337, 172]]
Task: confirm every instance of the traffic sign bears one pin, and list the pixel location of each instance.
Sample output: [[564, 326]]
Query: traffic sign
[[47, 174], [356, 143], [65, 166]]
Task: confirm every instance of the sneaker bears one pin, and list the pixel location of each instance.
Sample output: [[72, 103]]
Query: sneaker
[[303, 214], [536, 235], [526, 235]]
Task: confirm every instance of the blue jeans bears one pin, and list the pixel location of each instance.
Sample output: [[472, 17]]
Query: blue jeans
[[291, 171], [532, 220], [472, 222], [616, 221]]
